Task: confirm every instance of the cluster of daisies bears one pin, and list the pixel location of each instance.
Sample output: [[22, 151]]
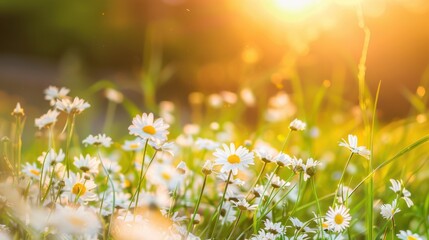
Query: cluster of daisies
[[149, 186]]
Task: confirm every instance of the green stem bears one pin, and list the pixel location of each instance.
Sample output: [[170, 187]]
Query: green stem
[[198, 204], [219, 209], [257, 179], [70, 126], [110, 115], [284, 144], [140, 179], [113, 190], [341, 178], [235, 225]]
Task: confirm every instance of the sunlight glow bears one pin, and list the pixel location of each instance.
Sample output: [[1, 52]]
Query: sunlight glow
[[294, 5]]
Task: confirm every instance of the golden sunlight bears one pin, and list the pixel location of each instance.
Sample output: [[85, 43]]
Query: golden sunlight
[[295, 5]]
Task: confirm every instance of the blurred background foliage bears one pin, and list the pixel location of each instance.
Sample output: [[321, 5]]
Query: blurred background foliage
[[165, 49]]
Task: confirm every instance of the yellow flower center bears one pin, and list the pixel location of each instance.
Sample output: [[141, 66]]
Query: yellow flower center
[[411, 238], [78, 222], [149, 129], [166, 176], [35, 172], [79, 188], [233, 159], [339, 219], [325, 225], [135, 145]]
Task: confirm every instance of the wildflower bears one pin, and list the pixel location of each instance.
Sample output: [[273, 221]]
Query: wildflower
[[297, 125], [408, 235], [388, 210], [75, 107], [244, 205], [258, 190], [296, 165], [100, 139], [276, 181], [275, 228], [309, 168], [299, 225], [31, 170], [75, 221], [51, 158], [262, 235], [53, 93], [146, 127], [113, 95], [206, 144], [232, 195], [77, 187], [233, 159], [224, 177], [181, 167], [47, 119], [18, 111], [168, 147], [133, 145], [264, 154], [283, 159], [338, 219], [164, 175], [344, 194], [398, 188], [354, 148], [87, 164]]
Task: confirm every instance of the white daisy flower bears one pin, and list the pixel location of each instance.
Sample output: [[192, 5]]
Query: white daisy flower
[[354, 148], [161, 146], [258, 190], [276, 181], [18, 111], [264, 154], [146, 127], [100, 139], [164, 175], [182, 168], [389, 210], [309, 168], [399, 188], [233, 159], [133, 145], [243, 205], [31, 170], [299, 225], [408, 235], [47, 119], [206, 144], [87, 164], [79, 187], [262, 235], [207, 167], [297, 125], [78, 221], [51, 158], [344, 194], [234, 181], [275, 228], [53, 93], [296, 165], [75, 107], [283, 160], [338, 219]]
